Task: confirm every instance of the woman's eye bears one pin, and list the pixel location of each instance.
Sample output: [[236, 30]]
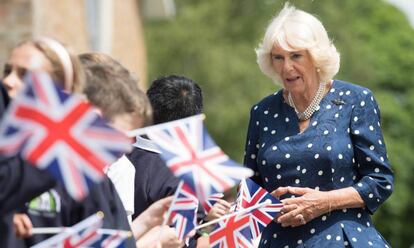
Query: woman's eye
[[7, 70], [21, 72], [296, 56], [277, 57]]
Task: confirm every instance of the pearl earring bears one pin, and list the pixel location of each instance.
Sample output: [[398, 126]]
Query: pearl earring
[[318, 70]]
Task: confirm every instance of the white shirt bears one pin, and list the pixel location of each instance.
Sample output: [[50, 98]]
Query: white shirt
[[122, 175]]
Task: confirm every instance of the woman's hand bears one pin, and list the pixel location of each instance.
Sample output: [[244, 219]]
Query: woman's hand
[[306, 206], [220, 208], [312, 203]]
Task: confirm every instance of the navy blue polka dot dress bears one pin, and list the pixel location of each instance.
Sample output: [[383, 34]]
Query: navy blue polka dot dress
[[342, 147]]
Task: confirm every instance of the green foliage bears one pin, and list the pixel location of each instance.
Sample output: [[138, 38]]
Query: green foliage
[[213, 43]]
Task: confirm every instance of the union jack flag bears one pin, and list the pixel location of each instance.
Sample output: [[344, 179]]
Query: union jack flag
[[184, 211], [83, 234], [111, 238], [61, 133], [251, 194], [234, 232], [211, 200], [192, 155]]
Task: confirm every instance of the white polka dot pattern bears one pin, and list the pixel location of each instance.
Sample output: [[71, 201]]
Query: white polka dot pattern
[[341, 147]]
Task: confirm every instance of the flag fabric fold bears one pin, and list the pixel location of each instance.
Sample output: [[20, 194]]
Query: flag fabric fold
[[233, 232], [251, 194], [111, 239], [184, 211], [61, 133], [83, 234], [211, 200], [192, 155], [243, 229]]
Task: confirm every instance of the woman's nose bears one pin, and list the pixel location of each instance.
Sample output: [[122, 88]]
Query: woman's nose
[[288, 65], [8, 81], [13, 84]]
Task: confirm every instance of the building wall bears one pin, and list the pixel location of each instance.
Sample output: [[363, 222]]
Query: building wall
[[16, 25], [129, 45], [66, 21]]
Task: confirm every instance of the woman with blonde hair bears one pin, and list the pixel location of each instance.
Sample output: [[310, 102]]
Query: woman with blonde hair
[[44, 54], [25, 182]]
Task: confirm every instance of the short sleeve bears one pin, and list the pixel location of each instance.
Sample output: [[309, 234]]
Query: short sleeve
[[376, 177], [251, 148]]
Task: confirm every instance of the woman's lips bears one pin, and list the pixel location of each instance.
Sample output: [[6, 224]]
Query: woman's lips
[[292, 79]]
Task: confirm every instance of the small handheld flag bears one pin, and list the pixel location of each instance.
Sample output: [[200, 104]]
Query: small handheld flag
[[250, 194], [193, 156], [82, 234], [61, 133]]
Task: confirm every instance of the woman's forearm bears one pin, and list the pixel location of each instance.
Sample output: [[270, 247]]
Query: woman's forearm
[[344, 198]]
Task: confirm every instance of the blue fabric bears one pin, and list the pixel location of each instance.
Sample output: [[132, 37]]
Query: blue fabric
[[342, 147]]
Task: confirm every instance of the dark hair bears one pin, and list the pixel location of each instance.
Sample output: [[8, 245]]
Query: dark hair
[[174, 97], [4, 99], [111, 88]]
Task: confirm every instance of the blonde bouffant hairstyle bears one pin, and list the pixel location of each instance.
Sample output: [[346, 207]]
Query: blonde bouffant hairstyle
[[295, 30]]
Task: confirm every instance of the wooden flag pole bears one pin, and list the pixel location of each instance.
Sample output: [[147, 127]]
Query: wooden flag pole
[[167, 215], [55, 230], [49, 230]]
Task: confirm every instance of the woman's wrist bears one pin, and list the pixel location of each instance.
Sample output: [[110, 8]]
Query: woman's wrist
[[343, 198], [330, 204]]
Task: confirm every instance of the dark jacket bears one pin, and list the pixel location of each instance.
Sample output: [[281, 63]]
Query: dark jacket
[[102, 197], [4, 99], [153, 179], [19, 182]]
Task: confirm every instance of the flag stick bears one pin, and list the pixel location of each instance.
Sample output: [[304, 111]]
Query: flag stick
[[55, 230], [49, 230], [246, 210], [167, 215], [114, 232]]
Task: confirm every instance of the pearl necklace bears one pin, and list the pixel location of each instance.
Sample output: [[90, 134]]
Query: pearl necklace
[[305, 115]]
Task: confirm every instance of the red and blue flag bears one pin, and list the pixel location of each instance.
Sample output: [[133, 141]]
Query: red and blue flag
[[61, 133], [232, 232], [111, 238], [184, 211], [193, 156], [83, 234], [251, 194], [211, 200]]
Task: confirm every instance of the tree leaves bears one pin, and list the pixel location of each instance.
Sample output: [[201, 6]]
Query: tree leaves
[[213, 43]]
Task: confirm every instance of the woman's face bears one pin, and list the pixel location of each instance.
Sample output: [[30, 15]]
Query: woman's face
[[20, 61], [295, 69]]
